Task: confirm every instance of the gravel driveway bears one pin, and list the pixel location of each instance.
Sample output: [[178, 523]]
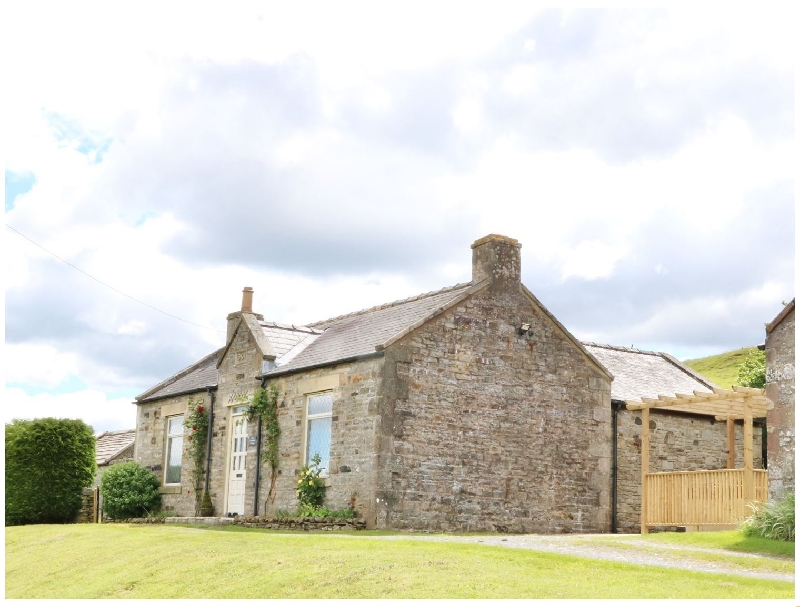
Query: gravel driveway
[[656, 554]]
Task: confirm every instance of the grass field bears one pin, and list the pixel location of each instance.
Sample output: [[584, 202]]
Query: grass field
[[722, 369], [128, 561]]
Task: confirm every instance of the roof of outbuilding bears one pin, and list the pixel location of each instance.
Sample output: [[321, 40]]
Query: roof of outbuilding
[[362, 333], [110, 444], [197, 376], [639, 373]]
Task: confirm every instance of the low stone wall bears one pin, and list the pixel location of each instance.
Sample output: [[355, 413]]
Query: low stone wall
[[86, 513], [305, 524]]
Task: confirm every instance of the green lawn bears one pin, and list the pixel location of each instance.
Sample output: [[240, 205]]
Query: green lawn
[[129, 561], [722, 369]]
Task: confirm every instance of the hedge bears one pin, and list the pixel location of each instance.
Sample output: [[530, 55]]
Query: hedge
[[48, 462]]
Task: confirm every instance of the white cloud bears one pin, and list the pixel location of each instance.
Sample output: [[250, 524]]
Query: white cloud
[[592, 259], [91, 406], [38, 364]]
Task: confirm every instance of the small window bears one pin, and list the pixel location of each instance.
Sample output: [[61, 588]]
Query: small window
[[318, 434], [174, 450]]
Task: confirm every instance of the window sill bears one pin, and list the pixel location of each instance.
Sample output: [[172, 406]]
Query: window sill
[[170, 489]]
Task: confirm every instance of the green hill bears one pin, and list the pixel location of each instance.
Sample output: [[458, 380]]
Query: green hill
[[722, 369]]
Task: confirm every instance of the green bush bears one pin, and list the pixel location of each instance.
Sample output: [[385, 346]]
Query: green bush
[[129, 490], [753, 371], [48, 462], [773, 521], [310, 487], [304, 510]]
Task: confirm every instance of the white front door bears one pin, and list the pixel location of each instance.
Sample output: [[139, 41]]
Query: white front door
[[237, 474]]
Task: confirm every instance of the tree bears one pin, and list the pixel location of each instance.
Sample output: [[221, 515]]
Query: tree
[[752, 372], [48, 462], [129, 490]]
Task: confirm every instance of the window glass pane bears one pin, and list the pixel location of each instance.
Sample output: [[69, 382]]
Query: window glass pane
[[320, 404], [175, 425], [174, 453], [319, 440]]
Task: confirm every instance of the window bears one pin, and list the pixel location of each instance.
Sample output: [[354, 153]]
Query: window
[[174, 450], [318, 429]]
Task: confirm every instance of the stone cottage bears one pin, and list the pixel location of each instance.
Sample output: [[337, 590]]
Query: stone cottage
[[779, 351], [467, 408]]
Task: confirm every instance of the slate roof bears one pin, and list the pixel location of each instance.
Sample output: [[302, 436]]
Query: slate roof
[[639, 373], [197, 376], [287, 340], [110, 444], [358, 334]]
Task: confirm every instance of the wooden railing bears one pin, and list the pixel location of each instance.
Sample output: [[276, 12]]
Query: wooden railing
[[703, 497]]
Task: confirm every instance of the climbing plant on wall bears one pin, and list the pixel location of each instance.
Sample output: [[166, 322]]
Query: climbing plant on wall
[[264, 406], [196, 424]]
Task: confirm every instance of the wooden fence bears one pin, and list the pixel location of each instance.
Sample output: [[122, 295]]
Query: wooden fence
[[703, 497]]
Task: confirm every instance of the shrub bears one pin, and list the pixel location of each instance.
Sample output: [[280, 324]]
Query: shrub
[[774, 521], [752, 372], [310, 487], [48, 462], [128, 491], [304, 510]]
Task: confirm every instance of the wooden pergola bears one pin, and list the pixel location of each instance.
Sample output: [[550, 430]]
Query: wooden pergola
[[704, 497]]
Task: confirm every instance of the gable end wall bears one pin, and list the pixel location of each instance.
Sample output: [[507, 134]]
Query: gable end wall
[[483, 429]]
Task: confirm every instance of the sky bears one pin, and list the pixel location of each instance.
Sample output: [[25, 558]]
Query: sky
[[335, 156]]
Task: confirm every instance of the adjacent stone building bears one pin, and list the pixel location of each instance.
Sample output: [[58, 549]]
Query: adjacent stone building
[[468, 408], [779, 350]]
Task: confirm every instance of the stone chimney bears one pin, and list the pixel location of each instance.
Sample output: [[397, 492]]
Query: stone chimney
[[247, 308], [496, 257]]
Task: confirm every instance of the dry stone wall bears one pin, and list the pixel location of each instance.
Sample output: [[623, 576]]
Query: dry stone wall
[[484, 429]]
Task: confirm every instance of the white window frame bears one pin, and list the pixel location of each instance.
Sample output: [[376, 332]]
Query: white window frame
[[168, 447], [307, 426]]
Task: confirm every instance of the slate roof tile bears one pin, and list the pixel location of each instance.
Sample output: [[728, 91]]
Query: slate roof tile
[[639, 373], [111, 444], [357, 334]]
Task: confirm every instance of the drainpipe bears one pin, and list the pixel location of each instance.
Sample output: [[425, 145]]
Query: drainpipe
[[616, 405], [258, 458], [211, 396]]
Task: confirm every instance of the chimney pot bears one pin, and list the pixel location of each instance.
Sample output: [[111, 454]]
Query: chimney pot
[[247, 299]]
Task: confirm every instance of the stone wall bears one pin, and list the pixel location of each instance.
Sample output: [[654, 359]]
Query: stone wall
[[304, 524], [355, 387], [149, 449], [484, 429], [780, 420], [677, 442], [86, 513]]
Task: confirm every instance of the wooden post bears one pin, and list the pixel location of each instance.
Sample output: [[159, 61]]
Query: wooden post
[[645, 465], [749, 487], [731, 444]]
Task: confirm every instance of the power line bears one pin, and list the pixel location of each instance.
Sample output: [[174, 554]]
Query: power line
[[74, 267]]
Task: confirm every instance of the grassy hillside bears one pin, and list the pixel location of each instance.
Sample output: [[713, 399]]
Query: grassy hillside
[[722, 369]]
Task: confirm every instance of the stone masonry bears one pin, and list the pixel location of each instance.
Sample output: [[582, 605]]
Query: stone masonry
[[486, 429], [780, 355]]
